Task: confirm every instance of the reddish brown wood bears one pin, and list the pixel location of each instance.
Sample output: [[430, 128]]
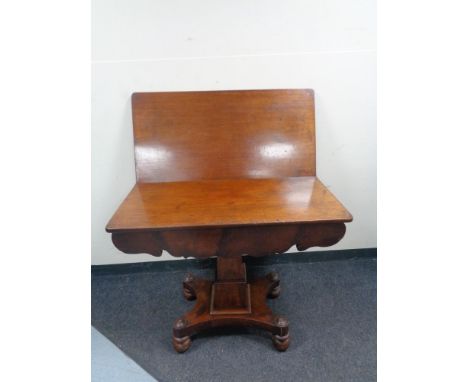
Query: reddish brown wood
[[230, 298], [222, 135], [230, 269], [241, 303], [231, 241], [225, 203], [319, 235], [230, 294], [226, 174]]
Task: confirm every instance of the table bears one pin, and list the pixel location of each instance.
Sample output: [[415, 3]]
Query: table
[[226, 174]]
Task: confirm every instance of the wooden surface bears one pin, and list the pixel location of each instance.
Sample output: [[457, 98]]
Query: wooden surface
[[221, 135], [250, 240], [225, 302], [224, 203], [226, 174]]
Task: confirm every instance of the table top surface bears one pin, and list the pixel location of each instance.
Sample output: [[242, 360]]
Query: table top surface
[[227, 203], [189, 136]]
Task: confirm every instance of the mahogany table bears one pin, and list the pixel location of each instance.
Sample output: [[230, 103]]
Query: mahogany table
[[226, 174]]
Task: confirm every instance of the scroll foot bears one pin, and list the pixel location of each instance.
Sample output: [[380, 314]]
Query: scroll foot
[[188, 288], [274, 289]]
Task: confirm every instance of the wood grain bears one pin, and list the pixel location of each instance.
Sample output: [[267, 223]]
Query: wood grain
[[226, 174], [231, 241], [223, 203], [230, 301], [220, 135]]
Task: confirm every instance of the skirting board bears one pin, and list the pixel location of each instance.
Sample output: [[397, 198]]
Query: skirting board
[[194, 264]]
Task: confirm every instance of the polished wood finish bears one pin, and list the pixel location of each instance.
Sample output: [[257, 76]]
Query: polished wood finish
[[230, 269], [225, 203], [259, 240], [226, 174], [230, 298], [230, 294], [223, 135], [243, 303]]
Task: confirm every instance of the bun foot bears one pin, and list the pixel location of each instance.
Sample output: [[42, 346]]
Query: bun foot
[[181, 344], [281, 340], [223, 296], [281, 343], [180, 340]]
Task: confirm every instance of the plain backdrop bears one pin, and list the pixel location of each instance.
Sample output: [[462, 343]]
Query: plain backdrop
[[422, 209], [329, 46]]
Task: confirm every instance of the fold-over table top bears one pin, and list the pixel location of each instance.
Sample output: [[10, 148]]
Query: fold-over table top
[[227, 203]]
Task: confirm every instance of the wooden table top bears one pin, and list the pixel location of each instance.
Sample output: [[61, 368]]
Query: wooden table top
[[227, 203], [189, 136]]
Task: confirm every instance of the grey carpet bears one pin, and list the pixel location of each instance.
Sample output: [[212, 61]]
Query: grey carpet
[[330, 305], [109, 364]]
